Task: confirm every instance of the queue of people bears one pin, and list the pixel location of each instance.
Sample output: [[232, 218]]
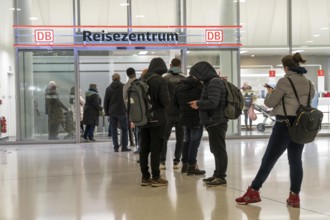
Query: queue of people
[[191, 104]]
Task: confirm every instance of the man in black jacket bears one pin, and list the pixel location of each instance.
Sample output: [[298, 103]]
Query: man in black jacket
[[211, 107], [188, 90], [173, 77], [115, 108], [152, 134]]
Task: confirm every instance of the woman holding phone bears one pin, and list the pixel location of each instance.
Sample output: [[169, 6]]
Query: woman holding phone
[[280, 140]]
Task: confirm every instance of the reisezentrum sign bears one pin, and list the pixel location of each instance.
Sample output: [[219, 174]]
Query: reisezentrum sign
[[127, 36]]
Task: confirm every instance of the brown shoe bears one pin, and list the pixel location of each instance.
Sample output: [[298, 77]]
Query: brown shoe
[[159, 182], [146, 182]]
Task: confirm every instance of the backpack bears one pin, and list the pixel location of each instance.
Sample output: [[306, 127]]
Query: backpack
[[235, 101], [308, 120], [248, 99], [139, 104]]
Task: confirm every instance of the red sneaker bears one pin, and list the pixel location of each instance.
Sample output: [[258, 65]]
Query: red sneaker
[[293, 200], [251, 196]]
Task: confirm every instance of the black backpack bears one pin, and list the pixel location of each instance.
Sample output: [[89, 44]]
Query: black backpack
[[308, 120], [139, 105], [235, 101]]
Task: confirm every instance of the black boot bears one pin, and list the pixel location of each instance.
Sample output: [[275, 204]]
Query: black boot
[[194, 170], [184, 168]]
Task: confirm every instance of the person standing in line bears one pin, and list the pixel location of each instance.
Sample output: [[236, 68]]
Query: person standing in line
[[211, 107], [173, 77], [130, 72], [188, 90], [280, 140], [92, 110], [152, 134], [114, 107], [54, 108]]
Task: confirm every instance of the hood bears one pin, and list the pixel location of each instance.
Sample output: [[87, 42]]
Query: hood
[[175, 70], [90, 93], [203, 71], [190, 82], [157, 65]]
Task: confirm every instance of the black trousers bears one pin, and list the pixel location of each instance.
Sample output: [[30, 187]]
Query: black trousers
[[179, 134], [152, 139], [217, 137]]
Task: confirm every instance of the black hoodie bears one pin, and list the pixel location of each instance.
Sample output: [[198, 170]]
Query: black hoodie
[[158, 91], [188, 90], [213, 100]]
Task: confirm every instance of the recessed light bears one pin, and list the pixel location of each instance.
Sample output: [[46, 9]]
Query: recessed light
[[139, 16], [324, 28], [124, 4], [316, 35], [243, 51], [143, 52], [309, 41], [252, 55], [33, 18]]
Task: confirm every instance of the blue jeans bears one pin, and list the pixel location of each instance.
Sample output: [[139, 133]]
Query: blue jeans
[[121, 121], [191, 141], [89, 132], [280, 141]]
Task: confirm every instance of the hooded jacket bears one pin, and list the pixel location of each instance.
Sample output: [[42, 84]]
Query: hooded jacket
[[213, 100], [158, 91], [173, 77], [114, 100], [188, 90], [92, 108]]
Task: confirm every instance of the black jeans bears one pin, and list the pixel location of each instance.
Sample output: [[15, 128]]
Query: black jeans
[[192, 139], [173, 122], [280, 141], [89, 132], [152, 139], [217, 136]]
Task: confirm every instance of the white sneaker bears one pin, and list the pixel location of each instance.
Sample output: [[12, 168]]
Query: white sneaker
[[162, 166]]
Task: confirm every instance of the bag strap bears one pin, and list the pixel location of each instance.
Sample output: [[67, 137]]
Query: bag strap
[[296, 94]]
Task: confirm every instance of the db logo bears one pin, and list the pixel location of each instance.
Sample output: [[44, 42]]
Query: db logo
[[213, 35], [46, 35]]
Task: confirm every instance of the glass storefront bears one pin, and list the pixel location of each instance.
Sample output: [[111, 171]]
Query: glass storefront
[[265, 35], [46, 95]]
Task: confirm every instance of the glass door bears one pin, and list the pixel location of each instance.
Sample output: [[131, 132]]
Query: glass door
[[97, 67], [46, 105]]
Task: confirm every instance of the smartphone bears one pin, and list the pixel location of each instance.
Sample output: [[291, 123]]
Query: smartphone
[[268, 86]]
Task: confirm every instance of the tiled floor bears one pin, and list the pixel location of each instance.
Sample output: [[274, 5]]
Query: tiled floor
[[89, 181]]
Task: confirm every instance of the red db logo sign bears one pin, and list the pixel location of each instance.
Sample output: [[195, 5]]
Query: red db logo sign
[[42, 36], [213, 35]]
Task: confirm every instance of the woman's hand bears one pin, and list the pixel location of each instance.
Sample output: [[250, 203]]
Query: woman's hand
[[193, 104]]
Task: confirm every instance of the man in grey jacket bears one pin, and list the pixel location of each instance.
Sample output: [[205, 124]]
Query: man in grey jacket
[[211, 107]]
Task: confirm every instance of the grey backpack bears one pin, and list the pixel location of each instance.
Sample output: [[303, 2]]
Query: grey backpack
[[140, 109], [235, 101]]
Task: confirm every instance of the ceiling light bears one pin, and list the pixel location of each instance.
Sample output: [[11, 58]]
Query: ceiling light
[[252, 55], [143, 52], [316, 35], [139, 16], [124, 4], [243, 51], [13, 9], [298, 51], [33, 18], [309, 41], [324, 28]]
